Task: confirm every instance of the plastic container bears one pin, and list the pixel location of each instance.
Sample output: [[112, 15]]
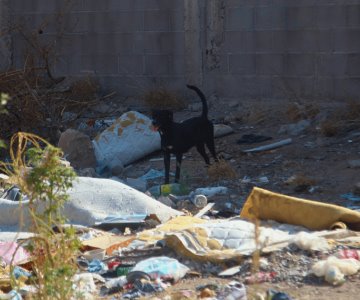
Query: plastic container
[[166, 189], [173, 188], [123, 269], [199, 201]]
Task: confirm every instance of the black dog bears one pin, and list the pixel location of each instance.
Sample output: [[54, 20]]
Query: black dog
[[178, 138]]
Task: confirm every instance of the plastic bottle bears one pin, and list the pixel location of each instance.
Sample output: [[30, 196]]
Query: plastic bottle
[[173, 188]]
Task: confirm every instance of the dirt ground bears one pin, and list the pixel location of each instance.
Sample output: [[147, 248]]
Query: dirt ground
[[314, 166]]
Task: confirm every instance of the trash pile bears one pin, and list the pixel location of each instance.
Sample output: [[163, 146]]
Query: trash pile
[[146, 247], [143, 239]]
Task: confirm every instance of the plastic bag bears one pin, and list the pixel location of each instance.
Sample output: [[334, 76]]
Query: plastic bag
[[308, 241], [162, 267], [334, 269]]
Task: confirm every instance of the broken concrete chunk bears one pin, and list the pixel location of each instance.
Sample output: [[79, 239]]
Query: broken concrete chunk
[[295, 129], [354, 164], [222, 129], [78, 149]]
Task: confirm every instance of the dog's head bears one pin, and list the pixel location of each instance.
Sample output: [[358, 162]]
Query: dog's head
[[161, 119]]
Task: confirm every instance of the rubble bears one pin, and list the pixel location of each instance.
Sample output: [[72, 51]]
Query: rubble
[[78, 149]]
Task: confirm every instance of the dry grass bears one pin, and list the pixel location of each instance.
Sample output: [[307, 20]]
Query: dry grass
[[221, 170], [162, 98], [296, 112], [342, 120], [300, 182], [34, 105], [84, 89], [255, 115]]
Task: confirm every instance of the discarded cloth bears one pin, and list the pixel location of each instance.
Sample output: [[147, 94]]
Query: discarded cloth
[[265, 205], [220, 240], [91, 200], [12, 252]]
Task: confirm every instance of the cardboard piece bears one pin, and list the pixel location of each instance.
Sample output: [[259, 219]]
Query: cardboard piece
[[108, 242]]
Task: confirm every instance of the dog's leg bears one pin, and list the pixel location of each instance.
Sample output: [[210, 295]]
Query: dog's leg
[[211, 146], [201, 149], [167, 166], [178, 166]]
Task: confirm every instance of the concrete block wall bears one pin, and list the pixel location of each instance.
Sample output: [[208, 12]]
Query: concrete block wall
[[291, 49], [235, 48], [129, 45]]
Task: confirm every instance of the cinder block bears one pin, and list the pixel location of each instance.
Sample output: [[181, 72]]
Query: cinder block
[[67, 65], [353, 16], [353, 65], [121, 21], [243, 64], [299, 64], [332, 64], [103, 5], [269, 64], [330, 16], [239, 41], [156, 20], [176, 20], [100, 64], [112, 43], [164, 42], [347, 88], [292, 87], [240, 3], [131, 64], [235, 86], [324, 40], [324, 88], [108, 5], [347, 40], [263, 41], [300, 17], [177, 65], [99, 22], [156, 64], [67, 44], [306, 40], [270, 17], [159, 4], [38, 6], [302, 40], [239, 18]]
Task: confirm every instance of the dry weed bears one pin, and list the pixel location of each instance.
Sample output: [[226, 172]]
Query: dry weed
[[162, 98], [300, 182], [255, 115], [221, 170], [296, 112], [84, 89], [342, 120]]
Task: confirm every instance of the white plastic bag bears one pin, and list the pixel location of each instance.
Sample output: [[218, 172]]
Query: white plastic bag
[[162, 267], [308, 241], [334, 269]]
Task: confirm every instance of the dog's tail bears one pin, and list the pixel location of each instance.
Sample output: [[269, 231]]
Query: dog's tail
[[202, 97]]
